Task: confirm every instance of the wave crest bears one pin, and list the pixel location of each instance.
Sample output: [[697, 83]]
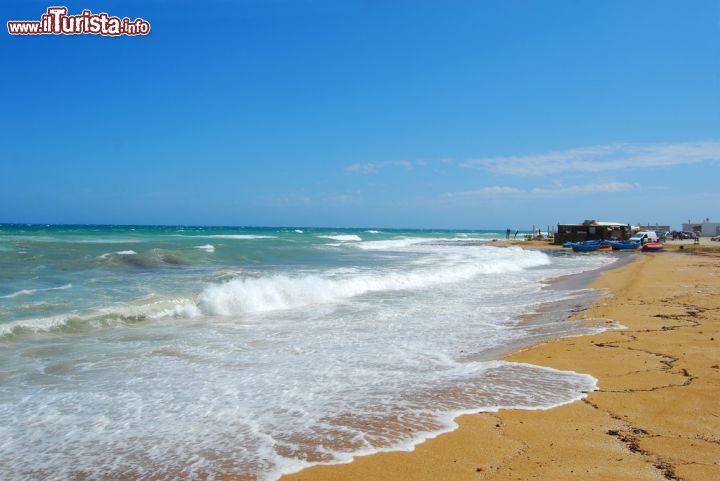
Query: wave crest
[[280, 291], [146, 260], [342, 237], [26, 292]]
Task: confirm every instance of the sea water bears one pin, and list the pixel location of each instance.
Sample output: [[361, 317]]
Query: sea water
[[190, 352]]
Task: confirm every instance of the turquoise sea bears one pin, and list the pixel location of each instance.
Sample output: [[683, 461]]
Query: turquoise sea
[[157, 352]]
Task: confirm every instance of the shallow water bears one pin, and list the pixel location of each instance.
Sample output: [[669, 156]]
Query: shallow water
[[184, 352]]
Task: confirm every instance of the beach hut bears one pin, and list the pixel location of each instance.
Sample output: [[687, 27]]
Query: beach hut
[[591, 230]]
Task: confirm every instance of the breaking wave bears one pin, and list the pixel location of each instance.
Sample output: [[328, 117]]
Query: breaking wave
[[237, 236], [342, 237], [402, 243], [257, 294], [27, 292], [394, 243], [92, 319], [150, 259], [281, 291]]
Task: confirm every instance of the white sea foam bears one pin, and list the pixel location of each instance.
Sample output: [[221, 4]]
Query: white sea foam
[[237, 236], [119, 253], [404, 242], [342, 237], [45, 324], [372, 231], [26, 292], [110, 316], [201, 436], [391, 244], [253, 376], [279, 292], [206, 247], [299, 231], [101, 241]]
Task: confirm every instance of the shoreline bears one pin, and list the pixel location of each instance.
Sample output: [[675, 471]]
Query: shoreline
[[592, 438], [582, 298], [543, 327]]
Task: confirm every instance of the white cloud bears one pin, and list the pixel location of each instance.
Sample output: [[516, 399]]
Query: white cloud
[[374, 167], [587, 189], [505, 191], [343, 197], [308, 199], [600, 158], [493, 191]]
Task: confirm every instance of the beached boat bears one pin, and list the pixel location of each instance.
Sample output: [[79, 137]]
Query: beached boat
[[570, 244], [624, 245], [585, 246], [653, 247]]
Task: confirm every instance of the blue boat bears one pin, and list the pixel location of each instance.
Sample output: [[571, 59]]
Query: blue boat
[[585, 246], [624, 245], [570, 244]]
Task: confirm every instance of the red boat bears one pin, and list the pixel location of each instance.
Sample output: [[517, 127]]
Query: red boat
[[652, 247]]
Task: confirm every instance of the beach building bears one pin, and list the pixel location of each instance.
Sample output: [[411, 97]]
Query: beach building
[[656, 228], [705, 228], [591, 230]]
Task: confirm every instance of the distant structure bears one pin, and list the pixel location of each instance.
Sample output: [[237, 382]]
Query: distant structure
[[656, 228], [704, 228], [591, 230]]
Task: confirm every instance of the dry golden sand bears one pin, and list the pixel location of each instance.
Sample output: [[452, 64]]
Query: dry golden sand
[[655, 416]]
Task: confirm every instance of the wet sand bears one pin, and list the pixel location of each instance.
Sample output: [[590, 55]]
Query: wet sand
[[655, 416]]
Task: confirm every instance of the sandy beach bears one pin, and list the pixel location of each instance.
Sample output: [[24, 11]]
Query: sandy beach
[[655, 415], [314, 240]]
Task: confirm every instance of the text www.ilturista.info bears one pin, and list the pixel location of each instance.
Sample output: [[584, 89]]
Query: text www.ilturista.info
[[56, 21]]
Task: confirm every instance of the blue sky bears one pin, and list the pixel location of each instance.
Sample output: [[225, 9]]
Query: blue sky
[[454, 114]]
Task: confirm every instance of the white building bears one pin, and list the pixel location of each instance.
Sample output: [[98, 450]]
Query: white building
[[705, 228]]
